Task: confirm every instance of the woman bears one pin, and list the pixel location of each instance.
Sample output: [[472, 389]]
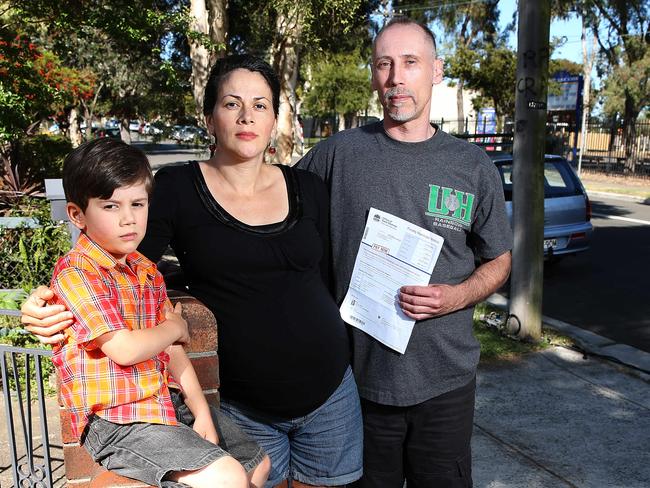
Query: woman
[[252, 241]]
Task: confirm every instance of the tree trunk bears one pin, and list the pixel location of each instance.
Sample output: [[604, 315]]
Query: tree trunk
[[460, 107], [218, 21], [89, 111], [124, 131], [341, 126], [588, 57], [613, 131], [629, 134], [88, 118], [74, 131], [526, 282], [211, 20], [285, 56]]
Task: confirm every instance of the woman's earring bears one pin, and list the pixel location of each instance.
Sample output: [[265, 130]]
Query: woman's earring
[[213, 146]]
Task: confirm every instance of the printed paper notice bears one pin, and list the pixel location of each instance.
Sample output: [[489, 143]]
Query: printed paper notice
[[392, 253]]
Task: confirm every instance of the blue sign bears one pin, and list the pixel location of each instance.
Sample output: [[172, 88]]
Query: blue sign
[[570, 95], [487, 121]]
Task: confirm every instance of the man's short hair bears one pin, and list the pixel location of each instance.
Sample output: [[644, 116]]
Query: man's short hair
[[98, 167], [401, 20]]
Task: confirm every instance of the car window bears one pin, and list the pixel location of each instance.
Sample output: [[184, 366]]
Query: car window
[[558, 179], [505, 169]]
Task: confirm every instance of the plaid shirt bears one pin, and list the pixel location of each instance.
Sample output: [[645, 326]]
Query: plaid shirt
[[106, 296]]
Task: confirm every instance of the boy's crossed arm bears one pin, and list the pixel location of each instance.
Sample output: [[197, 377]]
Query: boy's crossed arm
[[128, 347]]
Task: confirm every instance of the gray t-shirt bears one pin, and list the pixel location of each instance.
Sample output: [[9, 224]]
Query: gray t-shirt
[[442, 184]]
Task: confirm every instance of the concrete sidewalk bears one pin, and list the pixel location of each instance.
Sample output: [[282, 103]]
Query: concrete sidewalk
[[562, 417], [559, 418]]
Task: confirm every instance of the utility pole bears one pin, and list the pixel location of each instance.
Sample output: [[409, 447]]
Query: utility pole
[[526, 281]]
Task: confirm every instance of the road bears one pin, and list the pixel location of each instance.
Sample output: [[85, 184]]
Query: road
[[607, 289], [168, 152]]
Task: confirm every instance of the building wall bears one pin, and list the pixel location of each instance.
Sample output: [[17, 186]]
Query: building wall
[[443, 103]]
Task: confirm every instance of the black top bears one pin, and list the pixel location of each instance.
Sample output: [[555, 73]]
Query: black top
[[283, 347]]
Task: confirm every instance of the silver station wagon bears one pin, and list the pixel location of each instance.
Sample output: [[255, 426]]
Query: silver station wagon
[[567, 210]]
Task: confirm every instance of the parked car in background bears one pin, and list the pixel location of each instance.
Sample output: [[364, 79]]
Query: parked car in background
[[193, 134], [153, 128], [176, 132], [567, 210], [134, 125], [112, 132], [82, 127]]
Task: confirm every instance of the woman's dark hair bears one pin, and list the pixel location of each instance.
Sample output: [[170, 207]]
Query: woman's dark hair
[[225, 65], [98, 167]]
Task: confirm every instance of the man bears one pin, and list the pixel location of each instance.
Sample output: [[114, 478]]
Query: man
[[418, 407]]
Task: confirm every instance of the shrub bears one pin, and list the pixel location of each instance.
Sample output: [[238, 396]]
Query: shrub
[[40, 156], [25, 163], [29, 255]]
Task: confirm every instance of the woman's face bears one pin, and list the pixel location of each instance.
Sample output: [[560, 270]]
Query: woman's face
[[242, 119]]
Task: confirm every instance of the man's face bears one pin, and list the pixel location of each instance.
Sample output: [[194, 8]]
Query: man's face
[[404, 68]]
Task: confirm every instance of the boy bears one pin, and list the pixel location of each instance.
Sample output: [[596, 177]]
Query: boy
[[118, 361]]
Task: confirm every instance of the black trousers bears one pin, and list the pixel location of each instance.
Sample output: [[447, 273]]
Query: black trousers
[[427, 444]]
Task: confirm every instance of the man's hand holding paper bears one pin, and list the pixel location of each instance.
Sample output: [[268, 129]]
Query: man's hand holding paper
[[424, 302], [392, 252]]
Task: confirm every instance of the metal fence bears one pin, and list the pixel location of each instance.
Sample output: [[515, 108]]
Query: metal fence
[[605, 151], [608, 151], [27, 433], [11, 264]]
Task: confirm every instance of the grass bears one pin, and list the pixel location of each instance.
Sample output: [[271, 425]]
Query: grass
[[625, 185], [637, 192], [497, 345]]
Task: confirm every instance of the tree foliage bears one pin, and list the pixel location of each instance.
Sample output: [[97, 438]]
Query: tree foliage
[[490, 70], [625, 81], [625, 46], [326, 25], [130, 47], [34, 83], [340, 84]]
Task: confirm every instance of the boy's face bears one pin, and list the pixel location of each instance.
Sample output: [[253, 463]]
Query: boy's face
[[117, 224]]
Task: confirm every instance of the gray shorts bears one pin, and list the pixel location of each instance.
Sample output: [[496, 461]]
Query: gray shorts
[[148, 452]]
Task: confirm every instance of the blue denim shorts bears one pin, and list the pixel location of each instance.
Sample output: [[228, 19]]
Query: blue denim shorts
[[322, 448], [148, 452]]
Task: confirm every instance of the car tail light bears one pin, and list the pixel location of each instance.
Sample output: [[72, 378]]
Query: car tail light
[[578, 235], [588, 208]]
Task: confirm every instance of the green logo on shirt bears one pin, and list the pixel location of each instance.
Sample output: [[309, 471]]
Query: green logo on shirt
[[450, 204]]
